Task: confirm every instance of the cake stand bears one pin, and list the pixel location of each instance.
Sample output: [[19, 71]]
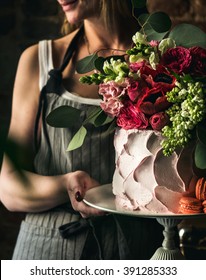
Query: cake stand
[[102, 198]]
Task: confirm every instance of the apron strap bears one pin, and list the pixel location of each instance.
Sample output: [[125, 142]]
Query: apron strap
[[54, 84]]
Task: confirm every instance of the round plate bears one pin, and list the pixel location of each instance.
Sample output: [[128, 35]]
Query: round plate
[[102, 198]]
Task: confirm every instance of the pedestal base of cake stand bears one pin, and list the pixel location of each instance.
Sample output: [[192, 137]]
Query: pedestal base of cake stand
[[102, 198], [168, 251]]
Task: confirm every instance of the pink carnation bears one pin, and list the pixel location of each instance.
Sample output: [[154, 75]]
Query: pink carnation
[[111, 92], [111, 89], [111, 106]]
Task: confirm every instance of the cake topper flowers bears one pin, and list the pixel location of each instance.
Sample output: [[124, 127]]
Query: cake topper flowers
[[160, 84]]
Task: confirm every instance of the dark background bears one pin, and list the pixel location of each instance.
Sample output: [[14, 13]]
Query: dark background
[[25, 22]]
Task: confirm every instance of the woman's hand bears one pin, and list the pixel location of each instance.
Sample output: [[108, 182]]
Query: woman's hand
[[78, 183]]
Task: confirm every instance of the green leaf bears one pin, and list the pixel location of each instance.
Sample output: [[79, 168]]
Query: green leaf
[[152, 34], [188, 35], [160, 22], [137, 4], [201, 133], [78, 139], [93, 113], [200, 155], [63, 116], [102, 119], [86, 64], [98, 63], [112, 126]]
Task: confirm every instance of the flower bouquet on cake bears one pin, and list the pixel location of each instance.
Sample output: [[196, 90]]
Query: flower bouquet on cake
[[154, 96]]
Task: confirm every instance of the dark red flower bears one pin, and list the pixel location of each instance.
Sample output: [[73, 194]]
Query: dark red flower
[[198, 66], [153, 101], [130, 118], [133, 90], [177, 59], [159, 120], [160, 77]]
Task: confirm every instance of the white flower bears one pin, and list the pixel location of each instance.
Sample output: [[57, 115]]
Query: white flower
[[166, 44], [139, 38]]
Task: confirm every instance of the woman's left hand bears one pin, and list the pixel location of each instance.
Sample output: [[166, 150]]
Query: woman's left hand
[[78, 183]]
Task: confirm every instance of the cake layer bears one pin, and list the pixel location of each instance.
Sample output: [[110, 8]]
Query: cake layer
[[145, 179]]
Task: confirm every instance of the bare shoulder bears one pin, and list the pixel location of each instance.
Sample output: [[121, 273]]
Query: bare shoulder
[[29, 57], [25, 94]]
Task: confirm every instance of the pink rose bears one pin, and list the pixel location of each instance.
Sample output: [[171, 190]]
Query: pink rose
[[111, 106], [159, 120], [177, 59], [198, 66], [130, 118]]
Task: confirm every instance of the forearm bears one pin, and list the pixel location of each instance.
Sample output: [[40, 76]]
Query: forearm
[[32, 192]]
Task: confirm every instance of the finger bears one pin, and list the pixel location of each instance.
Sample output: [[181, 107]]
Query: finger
[[78, 196], [88, 211]]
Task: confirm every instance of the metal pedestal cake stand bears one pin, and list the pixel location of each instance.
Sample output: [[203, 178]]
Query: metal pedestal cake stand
[[102, 198]]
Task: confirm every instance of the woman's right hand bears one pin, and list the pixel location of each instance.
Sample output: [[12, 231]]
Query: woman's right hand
[[77, 183]]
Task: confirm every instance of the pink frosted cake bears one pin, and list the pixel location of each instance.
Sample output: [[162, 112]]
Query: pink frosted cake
[[146, 180]]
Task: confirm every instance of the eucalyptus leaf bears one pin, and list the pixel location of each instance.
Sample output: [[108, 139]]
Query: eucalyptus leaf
[[188, 35], [86, 64], [63, 116], [102, 119], [92, 115], [78, 139], [152, 34], [160, 22], [111, 127], [200, 155], [201, 133]]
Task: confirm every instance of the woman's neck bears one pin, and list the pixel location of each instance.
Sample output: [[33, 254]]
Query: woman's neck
[[97, 36]]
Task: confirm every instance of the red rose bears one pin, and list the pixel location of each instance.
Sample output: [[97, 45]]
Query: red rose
[[159, 120], [177, 59], [153, 101], [130, 118], [198, 66]]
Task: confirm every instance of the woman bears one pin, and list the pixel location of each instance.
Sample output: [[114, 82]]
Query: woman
[[55, 181]]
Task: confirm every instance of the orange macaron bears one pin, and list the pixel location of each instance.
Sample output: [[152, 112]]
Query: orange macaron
[[200, 189], [204, 206], [190, 205]]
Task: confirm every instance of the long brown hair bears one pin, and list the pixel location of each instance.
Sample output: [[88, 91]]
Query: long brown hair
[[111, 11]]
